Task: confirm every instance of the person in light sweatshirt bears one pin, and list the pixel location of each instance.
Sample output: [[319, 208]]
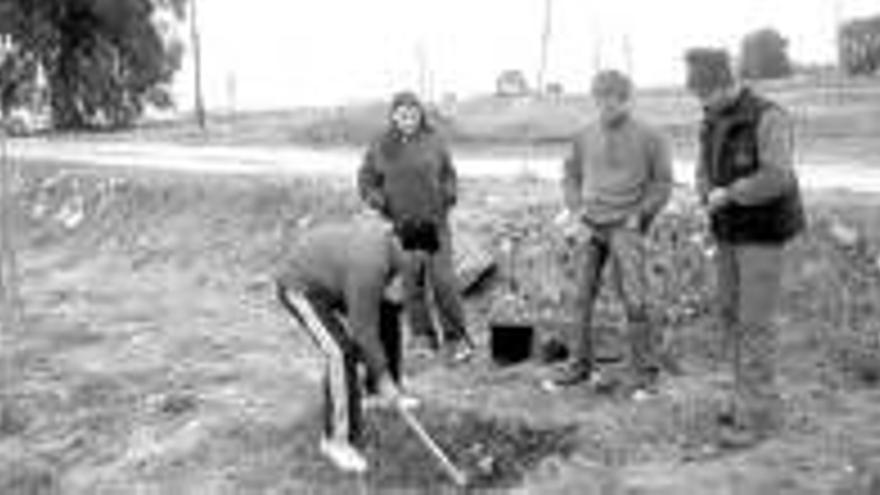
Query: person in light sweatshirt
[[616, 180]]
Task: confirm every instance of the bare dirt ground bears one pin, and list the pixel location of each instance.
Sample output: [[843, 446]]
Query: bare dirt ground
[[153, 358]]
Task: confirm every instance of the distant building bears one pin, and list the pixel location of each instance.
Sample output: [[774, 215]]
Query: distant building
[[511, 83], [448, 105], [554, 89]]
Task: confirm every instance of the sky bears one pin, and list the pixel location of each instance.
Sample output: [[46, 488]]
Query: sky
[[264, 54]]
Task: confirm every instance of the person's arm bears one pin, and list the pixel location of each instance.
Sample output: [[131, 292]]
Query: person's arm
[[701, 168], [775, 173], [370, 182], [363, 295], [448, 179], [572, 177], [659, 188]]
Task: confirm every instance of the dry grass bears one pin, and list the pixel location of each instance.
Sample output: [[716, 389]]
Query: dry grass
[[155, 359]]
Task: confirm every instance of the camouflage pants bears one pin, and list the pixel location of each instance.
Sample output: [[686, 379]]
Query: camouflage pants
[[626, 251], [749, 279]]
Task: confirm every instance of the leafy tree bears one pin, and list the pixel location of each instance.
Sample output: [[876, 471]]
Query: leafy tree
[[764, 55], [859, 46], [104, 59], [18, 73]]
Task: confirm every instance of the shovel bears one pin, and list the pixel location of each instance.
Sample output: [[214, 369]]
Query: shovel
[[457, 475]]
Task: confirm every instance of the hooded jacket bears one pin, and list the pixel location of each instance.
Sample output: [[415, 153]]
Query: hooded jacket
[[409, 177]]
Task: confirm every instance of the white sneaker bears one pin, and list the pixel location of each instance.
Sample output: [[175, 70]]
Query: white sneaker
[[343, 455]]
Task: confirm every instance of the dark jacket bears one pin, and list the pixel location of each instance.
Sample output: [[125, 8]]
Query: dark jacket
[[409, 177], [743, 149], [348, 265]]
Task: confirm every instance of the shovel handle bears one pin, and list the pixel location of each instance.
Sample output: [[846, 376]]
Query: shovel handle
[[451, 470]]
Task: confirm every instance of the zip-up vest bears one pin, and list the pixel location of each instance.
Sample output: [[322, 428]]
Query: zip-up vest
[[729, 144]]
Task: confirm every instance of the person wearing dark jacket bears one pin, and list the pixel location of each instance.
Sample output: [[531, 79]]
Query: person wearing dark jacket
[[407, 175], [336, 284], [746, 180]]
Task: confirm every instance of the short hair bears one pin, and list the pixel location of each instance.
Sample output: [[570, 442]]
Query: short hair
[[418, 235], [612, 82], [708, 69]]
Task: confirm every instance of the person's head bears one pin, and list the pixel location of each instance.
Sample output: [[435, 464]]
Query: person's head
[[612, 93], [406, 115], [709, 76]]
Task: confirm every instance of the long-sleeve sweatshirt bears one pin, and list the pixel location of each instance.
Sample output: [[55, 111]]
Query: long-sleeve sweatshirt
[[616, 171], [349, 265]]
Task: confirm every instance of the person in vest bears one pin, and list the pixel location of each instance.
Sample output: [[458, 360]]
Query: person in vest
[[407, 175], [616, 180], [746, 180], [338, 285]]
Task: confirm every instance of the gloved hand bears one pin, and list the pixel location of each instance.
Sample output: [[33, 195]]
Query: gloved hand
[[717, 198], [391, 396]]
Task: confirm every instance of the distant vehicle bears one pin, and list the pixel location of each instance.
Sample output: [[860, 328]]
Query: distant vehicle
[[25, 122]]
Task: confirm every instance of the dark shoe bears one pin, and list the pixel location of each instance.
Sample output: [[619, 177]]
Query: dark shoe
[[742, 431], [571, 373], [736, 437], [459, 351]]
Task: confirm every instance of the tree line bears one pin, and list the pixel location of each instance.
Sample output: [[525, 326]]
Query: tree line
[[103, 61]]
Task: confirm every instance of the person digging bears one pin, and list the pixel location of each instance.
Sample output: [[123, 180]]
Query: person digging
[[338, 284]]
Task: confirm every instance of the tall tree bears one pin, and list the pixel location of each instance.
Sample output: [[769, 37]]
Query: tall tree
[[764, 55], [104, 59], [859, 47]]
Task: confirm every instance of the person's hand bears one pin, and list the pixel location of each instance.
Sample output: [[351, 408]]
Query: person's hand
[[394, 290], [375, 201], [633, 222], [391, 396], [572, 228], [717, 198], [388, 391]]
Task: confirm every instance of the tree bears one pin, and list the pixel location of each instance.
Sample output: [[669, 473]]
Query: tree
[[764, 55], [105, 60], [18, 73], [859, 46]]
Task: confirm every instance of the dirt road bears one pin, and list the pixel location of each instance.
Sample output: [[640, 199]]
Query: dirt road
[[817, 174]]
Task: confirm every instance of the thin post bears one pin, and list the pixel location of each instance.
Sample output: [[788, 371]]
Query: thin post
[[8, 261], [197, 63], [545, 43]]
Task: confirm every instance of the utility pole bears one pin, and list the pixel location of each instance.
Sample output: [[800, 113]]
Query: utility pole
[[197, 63], [838, 21], [545, 42], [422, 69], [628, 55]]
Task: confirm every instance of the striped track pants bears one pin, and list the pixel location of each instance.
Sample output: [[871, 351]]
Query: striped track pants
[[343, 416]]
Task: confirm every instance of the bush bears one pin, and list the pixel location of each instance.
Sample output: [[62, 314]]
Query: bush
[[764, 55]]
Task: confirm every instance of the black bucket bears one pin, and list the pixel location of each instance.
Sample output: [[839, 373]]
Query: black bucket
[[510, 342]]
